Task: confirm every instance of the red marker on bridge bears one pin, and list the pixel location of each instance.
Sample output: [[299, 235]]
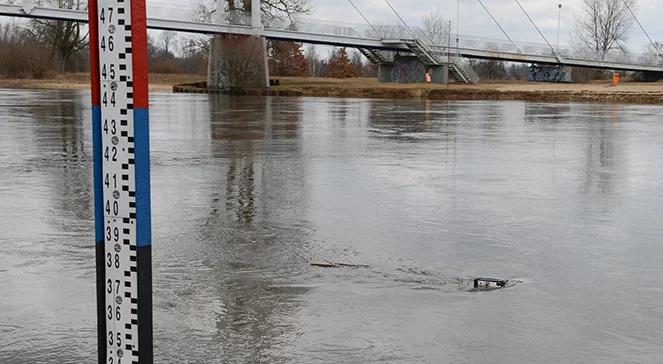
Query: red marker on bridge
[[118, 53]]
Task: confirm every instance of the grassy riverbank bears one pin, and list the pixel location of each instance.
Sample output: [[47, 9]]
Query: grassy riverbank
[[633, 92]]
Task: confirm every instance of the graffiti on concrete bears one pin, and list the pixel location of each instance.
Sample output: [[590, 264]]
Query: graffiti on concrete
[[538, 73], [407, 69]]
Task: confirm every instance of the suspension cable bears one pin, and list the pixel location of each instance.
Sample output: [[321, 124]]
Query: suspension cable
[[536, 27], [361, 14], [401, 18], [499, 26], [643, 29]]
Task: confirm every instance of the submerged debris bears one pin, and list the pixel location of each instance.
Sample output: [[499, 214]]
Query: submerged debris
[[324, 265], [489, 284], [327, 264]]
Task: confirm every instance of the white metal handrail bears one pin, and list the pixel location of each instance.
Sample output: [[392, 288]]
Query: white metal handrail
[[185, 12]]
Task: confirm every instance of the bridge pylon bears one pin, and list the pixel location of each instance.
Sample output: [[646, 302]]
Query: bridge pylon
[[238, 61]]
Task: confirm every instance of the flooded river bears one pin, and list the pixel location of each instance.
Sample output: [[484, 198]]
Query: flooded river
[[565, 198]]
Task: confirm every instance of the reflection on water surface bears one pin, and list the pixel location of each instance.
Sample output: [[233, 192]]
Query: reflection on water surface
[[247, 191]]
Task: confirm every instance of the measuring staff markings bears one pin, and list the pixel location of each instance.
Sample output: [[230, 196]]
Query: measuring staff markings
[[119, 185]]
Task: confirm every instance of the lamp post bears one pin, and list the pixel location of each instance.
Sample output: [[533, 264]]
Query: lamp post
[[559, 20], [457, 28], [220, 11]]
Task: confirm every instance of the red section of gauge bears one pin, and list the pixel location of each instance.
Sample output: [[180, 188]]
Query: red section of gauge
[[139, 40], [94, 53]]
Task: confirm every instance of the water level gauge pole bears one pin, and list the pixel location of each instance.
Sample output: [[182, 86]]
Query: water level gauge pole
[[118, 54]]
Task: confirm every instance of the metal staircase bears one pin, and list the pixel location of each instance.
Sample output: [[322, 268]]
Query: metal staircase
[[421, 51], [459, 68], [373, 55], [458, 73]]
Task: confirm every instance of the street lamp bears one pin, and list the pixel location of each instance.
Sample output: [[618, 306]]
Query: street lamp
[[559, 19], [457, 28]]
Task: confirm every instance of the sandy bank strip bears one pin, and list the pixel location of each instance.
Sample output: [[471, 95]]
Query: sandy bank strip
[[647, 97], [79, 81], [631, 92], [626, 93]]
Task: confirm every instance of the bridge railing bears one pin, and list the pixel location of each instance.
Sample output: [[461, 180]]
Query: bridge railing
[[443, 44], [236, 17], [564, 52], [169, 12], [314, 26], [449, 44]]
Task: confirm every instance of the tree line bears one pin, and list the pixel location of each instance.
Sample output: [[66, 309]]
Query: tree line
[[28, 55], [293, 60]]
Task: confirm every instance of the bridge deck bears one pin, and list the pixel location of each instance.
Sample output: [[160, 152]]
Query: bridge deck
[[346, 36]]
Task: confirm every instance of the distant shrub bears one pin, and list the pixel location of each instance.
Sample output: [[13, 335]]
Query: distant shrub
[[164, 65], [21, 57]]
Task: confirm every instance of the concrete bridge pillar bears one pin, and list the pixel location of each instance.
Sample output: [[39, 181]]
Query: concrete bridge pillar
[[409, 69], [384, 72], [220, 11], [440, 74], [256, 17], [238, 62], [651, 76], [547, 73]]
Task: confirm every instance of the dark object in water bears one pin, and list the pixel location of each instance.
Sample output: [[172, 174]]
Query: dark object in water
[[487, 284], [328, 264]]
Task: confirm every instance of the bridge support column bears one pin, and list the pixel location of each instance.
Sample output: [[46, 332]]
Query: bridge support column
[[220, 15], [651, 76], [546, 73], [256, 17], [440, 74], [384, 72], [238, 62], [409, 69]]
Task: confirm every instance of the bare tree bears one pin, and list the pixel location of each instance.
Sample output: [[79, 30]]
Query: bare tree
[[436, 28], [21, 55], [65, 38], [313, 61], [204, 10], [168, 41], [605, 25], [196, 43], [275, 8], [652, 54]]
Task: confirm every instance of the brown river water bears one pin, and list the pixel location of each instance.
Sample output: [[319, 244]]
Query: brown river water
[[563, 198]]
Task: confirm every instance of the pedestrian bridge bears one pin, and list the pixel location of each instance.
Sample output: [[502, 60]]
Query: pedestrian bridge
[[375, 42]]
